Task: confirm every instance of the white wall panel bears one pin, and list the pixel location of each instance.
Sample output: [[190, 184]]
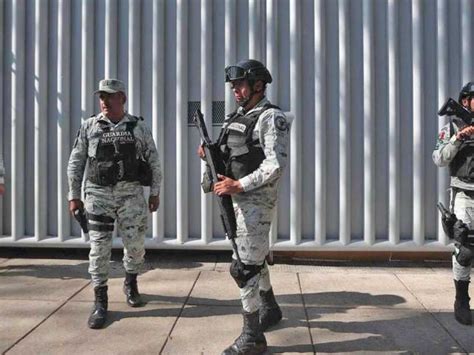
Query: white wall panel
[[361, 80]]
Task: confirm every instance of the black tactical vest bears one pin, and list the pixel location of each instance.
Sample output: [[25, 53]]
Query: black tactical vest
[[116, 157], [242, 154], [462, 166]]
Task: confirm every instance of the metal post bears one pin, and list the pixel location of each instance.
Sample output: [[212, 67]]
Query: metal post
[[273, 89], [442, 38], [41, 117], [206, 108], [158, 106], [418, 126], [369, 129], [63, 102], [296, 109], [344, 126], [320, 123], [134, 58], [466, 40], [110, 69], [394, 126], [230, 48], [181, 121], [255, 46]]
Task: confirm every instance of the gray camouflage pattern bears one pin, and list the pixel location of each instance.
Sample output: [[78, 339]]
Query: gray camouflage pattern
[[254, 208], [446, 149], [86, 146], [124, 202], [464, 210], [128, 207]]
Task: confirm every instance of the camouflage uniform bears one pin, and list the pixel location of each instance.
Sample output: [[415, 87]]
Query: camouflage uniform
[[255, 206], [124, 202], [462, 201]]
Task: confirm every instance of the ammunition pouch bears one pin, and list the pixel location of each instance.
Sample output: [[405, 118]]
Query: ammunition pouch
[[103, 173], [144, 173]]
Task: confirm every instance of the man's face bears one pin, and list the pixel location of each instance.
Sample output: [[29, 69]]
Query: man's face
[[468, 103], [111, 105], [241, 90]]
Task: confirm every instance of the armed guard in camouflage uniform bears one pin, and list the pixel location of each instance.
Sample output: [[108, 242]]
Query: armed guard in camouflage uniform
[[122, 157], [254, 142], [455, 149], [2, 176]]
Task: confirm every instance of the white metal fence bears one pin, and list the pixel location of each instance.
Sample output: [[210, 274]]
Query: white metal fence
[[363, 80]]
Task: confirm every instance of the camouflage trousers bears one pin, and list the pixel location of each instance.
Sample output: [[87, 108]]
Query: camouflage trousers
[[124, 203], [253, 227], [464, 210]]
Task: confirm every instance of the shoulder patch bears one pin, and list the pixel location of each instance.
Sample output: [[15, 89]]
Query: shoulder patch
[[281, 124]]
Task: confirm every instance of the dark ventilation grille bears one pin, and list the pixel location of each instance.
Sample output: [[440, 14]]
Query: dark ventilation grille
[[218, 111]]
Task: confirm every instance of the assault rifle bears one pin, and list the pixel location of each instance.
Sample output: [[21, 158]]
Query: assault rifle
[[448, 220], [453, 108], [216, 166]]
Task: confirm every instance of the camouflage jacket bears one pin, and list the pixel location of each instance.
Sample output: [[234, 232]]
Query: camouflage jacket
[[447, 146], [85, 147], [272, 131]]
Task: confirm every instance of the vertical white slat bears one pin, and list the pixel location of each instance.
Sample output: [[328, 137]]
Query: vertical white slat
[[296, 129], [344, 125], [255, 45], [467, 38], [442, 39], [320, 123], [158, 107], [110, 16], [394, 126], [63, 103], [206, 108], [134, 57], [41, 117], [272, 89], [182, 121], [230, 48], [87, 59], [18, 119], [369, 126], [87, 64], [2, 117], [418, 125]]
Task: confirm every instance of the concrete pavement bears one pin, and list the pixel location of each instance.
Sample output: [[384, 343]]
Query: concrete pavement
[[192, 307]]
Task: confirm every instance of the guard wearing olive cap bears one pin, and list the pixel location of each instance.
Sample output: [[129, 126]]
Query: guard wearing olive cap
[[122, 158], [455, 149], [253, 141]]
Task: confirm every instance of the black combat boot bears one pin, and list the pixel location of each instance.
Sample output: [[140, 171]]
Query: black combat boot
[[270, 312], [462, 311], [130, 288], [99, 312], [251, 341]]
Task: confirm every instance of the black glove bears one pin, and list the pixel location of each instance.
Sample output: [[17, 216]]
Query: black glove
[[460, 232]]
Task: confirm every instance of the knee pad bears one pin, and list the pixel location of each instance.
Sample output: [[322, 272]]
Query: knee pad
[[242, 273], [463, 255]]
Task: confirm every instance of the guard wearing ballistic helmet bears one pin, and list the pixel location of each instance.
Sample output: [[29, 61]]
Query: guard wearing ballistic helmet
[[253, 141], [122, 158], [455, 149]]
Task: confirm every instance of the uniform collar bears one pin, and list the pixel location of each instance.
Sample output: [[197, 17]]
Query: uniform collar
[[102, 118], [257, 107]]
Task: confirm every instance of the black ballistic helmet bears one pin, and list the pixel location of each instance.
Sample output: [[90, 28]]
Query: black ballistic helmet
[[467, 90], [250, 69]]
